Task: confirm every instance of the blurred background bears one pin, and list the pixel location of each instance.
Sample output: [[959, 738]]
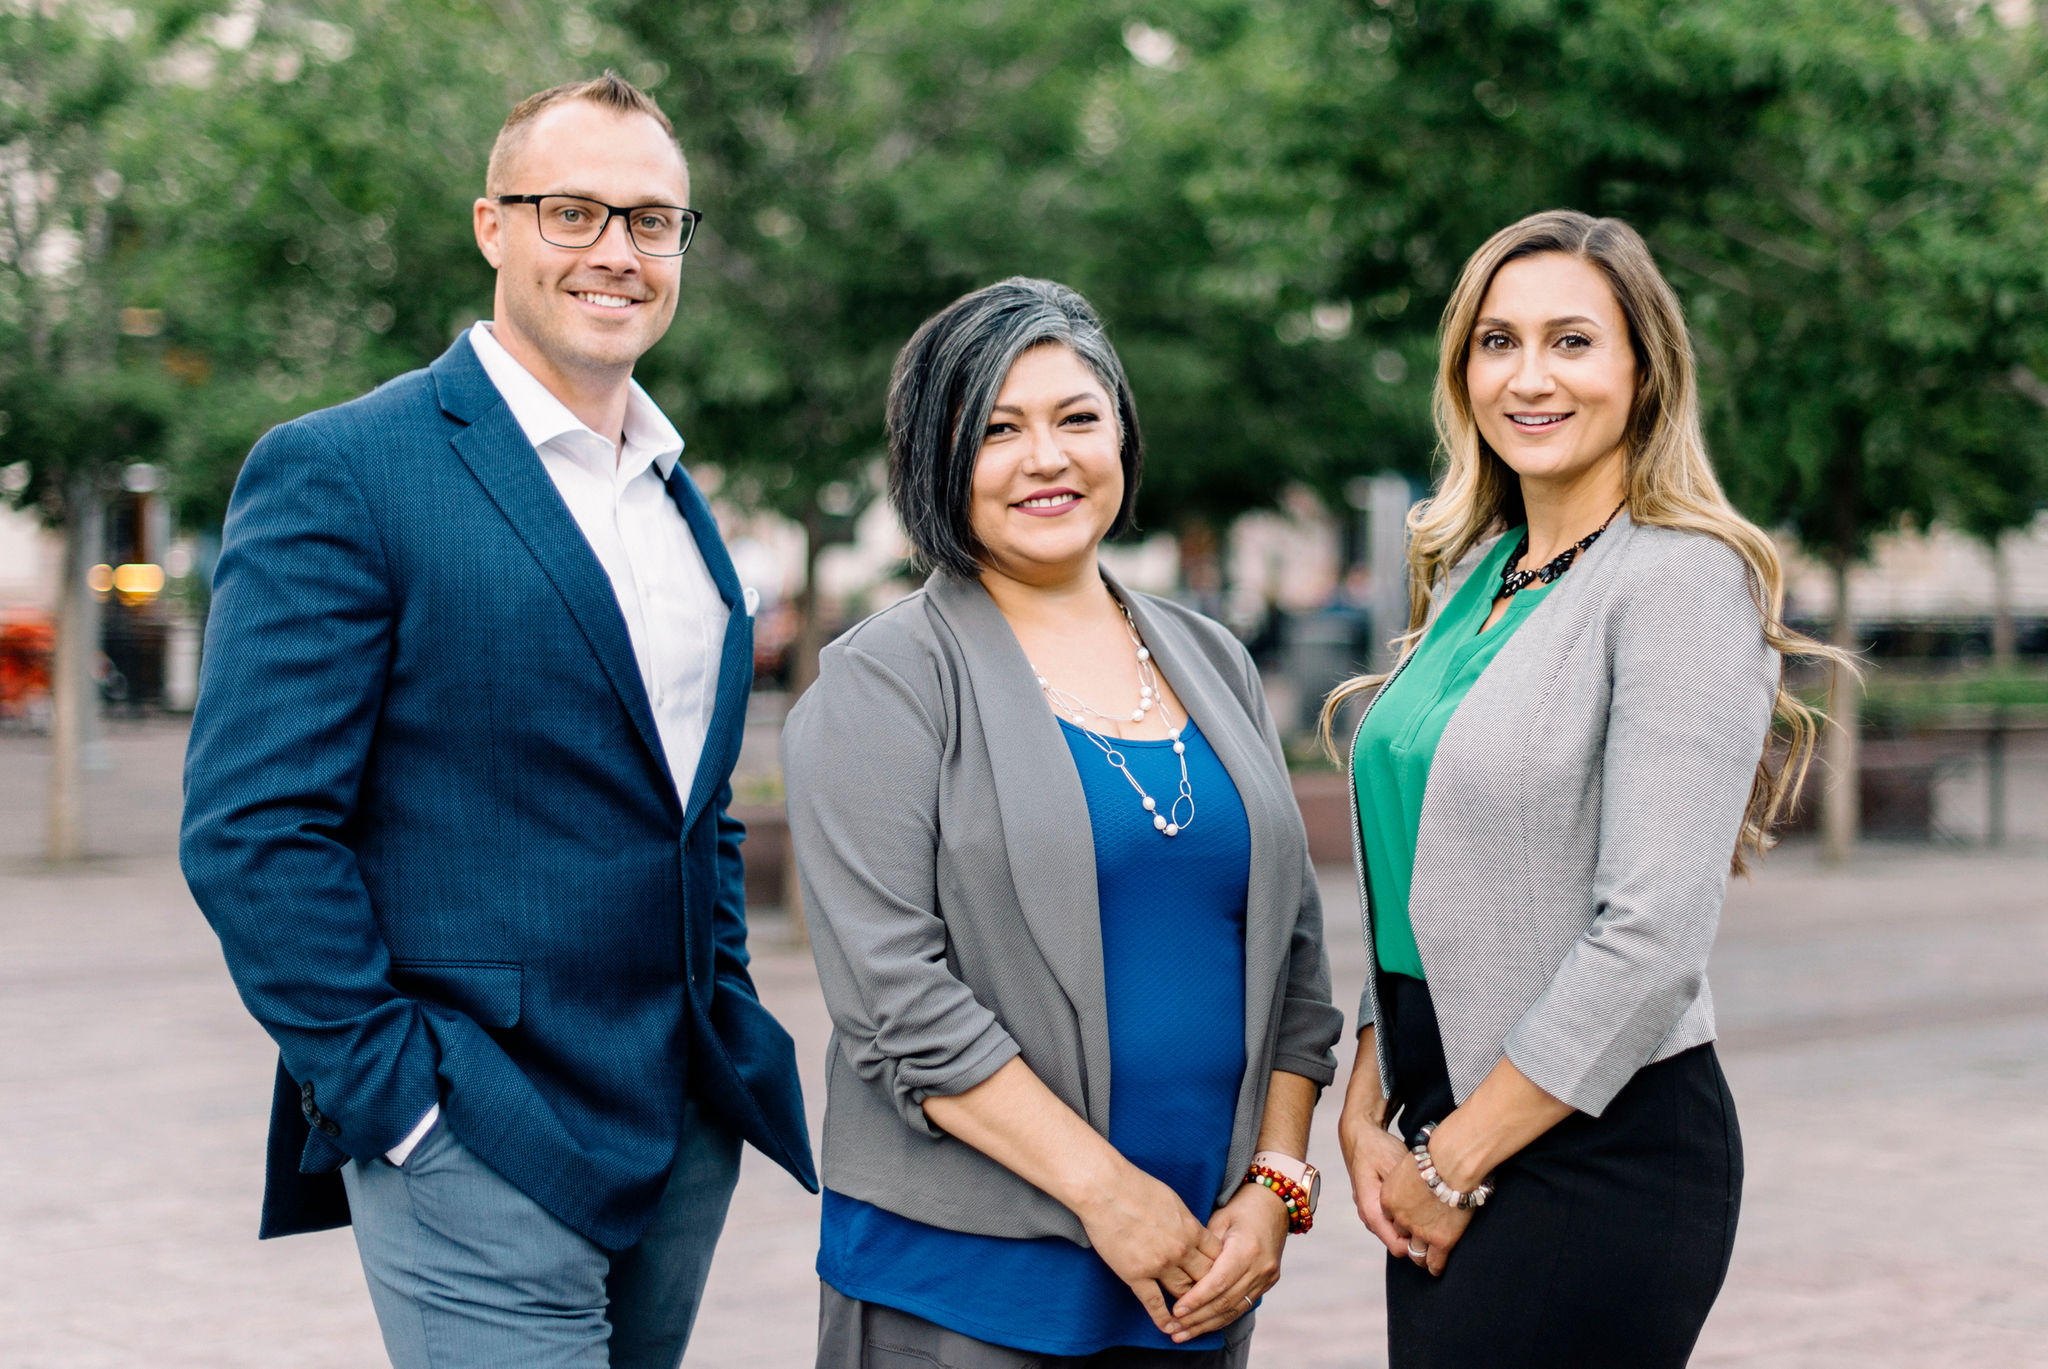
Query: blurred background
[[216, 216]]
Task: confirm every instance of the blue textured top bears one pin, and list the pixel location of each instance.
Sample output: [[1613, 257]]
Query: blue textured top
[[1173, 969]]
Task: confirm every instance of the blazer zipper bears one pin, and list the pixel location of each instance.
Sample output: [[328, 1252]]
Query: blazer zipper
[[1379, 1038]]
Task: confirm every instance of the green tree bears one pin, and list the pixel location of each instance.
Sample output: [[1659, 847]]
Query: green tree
[[74, 409], [311, 174], [859, 166], [219, 216], [1840, 191], [1883, 274]]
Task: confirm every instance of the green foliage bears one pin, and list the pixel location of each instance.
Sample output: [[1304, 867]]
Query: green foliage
[[1848, 200], [310, 171], [1268, 199], [67, 405], [285, 193], [1899, 701]]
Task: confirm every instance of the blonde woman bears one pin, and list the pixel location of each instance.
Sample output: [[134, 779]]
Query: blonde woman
[[1553, 786]]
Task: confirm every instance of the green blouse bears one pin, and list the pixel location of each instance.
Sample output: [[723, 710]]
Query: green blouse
[[1391, 757]]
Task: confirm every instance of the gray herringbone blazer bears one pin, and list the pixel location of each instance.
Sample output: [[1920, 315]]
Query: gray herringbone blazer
[[1580, 816], [942, 837]]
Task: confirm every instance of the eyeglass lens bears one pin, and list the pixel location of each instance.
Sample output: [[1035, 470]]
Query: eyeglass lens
[[657, 229]]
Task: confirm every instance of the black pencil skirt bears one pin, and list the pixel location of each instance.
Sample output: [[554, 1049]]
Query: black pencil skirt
[[1607, 1239]]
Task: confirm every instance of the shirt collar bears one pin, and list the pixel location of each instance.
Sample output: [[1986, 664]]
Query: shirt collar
[[650, 437]]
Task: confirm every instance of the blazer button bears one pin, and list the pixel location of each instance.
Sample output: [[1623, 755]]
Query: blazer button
[[306, 1106], [329, 1128]]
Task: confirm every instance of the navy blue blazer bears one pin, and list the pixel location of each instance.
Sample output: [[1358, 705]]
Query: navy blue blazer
[[427, 812]]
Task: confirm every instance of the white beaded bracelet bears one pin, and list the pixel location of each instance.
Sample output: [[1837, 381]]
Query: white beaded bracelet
[[1445, 1194]]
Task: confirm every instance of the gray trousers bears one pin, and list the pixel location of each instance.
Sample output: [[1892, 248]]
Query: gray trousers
[[467, 1272], [864, 1335]]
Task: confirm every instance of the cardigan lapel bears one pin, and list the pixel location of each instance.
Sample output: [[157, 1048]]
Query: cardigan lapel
[[1268, 804], [496, 451], [735, 659], [1042, 806], [1212, 706], [1587, 577], [1567, 588], [1042, 811]]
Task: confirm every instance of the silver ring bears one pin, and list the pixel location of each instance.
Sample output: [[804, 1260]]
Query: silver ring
[[1419, 1253], [1247, 1301]]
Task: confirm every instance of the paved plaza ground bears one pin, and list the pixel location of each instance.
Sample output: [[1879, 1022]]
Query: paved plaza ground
[[1885, 1031]]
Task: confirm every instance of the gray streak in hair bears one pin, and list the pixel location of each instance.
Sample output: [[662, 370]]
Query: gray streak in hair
[[946, 380]]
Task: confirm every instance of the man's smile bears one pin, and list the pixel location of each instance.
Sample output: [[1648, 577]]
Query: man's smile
[[604, 300]]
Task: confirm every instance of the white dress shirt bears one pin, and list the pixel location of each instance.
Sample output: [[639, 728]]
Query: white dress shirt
[[618, 496]]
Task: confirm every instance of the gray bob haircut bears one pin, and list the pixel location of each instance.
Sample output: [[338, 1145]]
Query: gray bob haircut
[[946, 380]]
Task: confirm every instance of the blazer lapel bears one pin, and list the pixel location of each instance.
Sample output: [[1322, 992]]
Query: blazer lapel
[[1043, 814], [497, 453], [736, 657]]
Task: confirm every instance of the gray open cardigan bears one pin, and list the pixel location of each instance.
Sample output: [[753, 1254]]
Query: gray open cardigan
[[942, 837], [1580, 816]]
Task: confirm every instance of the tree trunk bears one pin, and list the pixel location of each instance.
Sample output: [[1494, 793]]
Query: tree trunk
[[1839, 815], [2004, 659], [73, 702], [803, 672], [810, 627], [2004, 643], [1202, 557]]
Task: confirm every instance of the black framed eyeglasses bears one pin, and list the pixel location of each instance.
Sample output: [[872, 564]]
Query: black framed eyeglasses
[[659, 230]]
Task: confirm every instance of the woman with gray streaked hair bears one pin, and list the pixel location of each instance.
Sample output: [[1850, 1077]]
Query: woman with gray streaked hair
[[1060, 900]]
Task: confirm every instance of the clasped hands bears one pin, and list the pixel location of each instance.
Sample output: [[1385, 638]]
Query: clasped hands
[[1393, 1201], [1192, 1279], [1391, 1195]]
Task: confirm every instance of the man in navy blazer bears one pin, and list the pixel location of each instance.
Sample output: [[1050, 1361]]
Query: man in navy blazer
[[475, 679]]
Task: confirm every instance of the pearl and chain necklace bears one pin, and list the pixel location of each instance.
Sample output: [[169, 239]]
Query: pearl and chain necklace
[[1170, 823]]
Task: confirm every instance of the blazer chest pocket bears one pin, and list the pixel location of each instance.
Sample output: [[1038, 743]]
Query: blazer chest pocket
[[486, 991]]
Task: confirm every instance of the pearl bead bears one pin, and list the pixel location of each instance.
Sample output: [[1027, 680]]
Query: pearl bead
[[1150, 803], [1159, 822], [1180, 748], [1143, 654], [1137, 715], [1144, 691], [1078, 720], [1172, 829]]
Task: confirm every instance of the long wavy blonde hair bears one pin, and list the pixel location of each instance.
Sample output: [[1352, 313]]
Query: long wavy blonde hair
[[1669, 480]]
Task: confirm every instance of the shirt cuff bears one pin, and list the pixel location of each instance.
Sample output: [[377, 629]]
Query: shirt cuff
[[398, 1154]]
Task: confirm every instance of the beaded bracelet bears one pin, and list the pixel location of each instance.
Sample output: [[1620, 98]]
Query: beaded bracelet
[[1299, 1215], [1445, 1194]]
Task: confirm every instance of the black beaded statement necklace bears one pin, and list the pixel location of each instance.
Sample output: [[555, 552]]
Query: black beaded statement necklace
[[1513, 582]]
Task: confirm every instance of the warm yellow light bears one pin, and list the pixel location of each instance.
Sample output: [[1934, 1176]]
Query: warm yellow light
[[101, 578], [139, 581]]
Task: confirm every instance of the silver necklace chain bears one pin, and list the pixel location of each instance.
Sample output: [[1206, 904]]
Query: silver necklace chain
[[1078, 711]]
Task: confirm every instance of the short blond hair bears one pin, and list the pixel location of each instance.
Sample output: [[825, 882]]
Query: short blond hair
[[609, 91]]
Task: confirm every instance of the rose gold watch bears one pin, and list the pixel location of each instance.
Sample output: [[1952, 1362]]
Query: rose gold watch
[[1300, 1171]]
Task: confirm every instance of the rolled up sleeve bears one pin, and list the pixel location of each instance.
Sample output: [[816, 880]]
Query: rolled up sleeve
[[861, 754]]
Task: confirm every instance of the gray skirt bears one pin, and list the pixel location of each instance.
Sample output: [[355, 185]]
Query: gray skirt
[[864, 1335]]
